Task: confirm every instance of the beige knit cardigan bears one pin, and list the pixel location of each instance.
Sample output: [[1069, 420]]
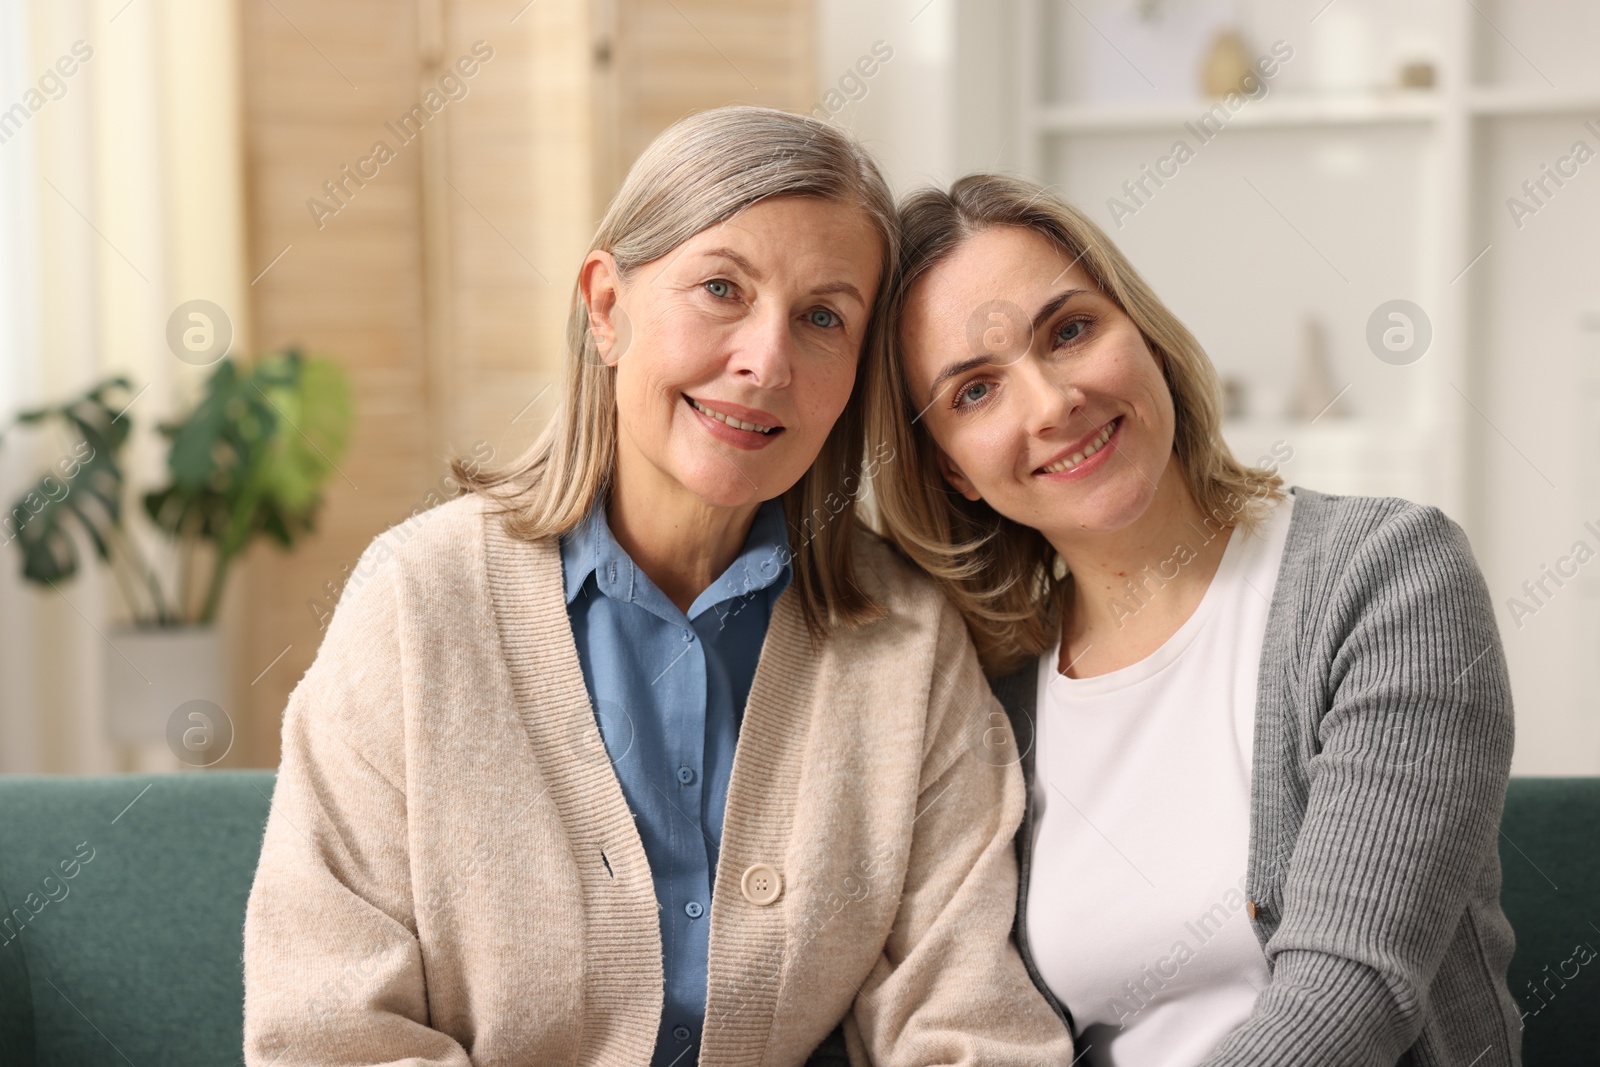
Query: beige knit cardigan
[[451, 876]]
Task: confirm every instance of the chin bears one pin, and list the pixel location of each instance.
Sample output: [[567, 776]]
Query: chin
[[724, 484], [1107, 509]]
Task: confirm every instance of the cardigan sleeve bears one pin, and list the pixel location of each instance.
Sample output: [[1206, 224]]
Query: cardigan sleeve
[[332, 964], [950, 987], [1403, 802]]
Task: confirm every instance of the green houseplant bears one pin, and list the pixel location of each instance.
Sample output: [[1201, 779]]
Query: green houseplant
[[250, 460]]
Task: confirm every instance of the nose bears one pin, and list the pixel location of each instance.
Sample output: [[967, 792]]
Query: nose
[[1049, 405], [763, 350]]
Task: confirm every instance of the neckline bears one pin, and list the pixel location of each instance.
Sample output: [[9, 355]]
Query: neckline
[[591, 549], [1235, 554]]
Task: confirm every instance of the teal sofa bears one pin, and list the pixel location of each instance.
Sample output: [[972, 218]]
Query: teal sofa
[[133, 954]]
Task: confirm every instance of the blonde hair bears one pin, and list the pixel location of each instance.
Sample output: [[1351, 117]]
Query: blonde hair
[[699, 172], [1006, 578]]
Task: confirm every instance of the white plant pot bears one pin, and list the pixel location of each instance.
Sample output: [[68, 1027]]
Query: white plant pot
[[158, 679]]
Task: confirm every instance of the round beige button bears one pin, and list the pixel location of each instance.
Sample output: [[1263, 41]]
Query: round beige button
[[761, 884]]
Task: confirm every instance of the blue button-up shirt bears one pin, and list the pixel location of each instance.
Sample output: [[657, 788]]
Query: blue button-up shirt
[[669, 691]]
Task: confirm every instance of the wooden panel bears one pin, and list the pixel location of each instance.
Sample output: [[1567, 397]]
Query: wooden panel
[[671, 58], [521, 207], [351, 288]]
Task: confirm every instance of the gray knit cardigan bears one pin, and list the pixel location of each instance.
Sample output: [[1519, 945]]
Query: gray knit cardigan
[[1382, 746]]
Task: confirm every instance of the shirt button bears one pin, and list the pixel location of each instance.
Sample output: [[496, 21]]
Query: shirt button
[[694, 909], [681, 1033], [761, 884], [685, 775], [688, 635], [1251, 909]]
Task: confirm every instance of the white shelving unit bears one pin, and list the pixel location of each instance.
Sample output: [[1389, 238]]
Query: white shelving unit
[[1439, 119], [1448, 119], [1330, 196]]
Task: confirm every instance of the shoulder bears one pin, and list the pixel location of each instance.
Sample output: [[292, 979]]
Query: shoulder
[[1371, 530], [920, 630], [1339, 516], [1381, 558], [893, 581], [426, 534], [432, 551], [919, 648]]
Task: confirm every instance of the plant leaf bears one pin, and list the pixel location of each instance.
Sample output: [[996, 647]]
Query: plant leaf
[[314, 411], [42, 519]]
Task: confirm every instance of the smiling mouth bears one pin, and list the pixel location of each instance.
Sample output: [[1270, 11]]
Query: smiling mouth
[[1097, 442], [737, 424]]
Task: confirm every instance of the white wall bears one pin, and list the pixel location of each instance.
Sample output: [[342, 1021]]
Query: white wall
[[942, 107]]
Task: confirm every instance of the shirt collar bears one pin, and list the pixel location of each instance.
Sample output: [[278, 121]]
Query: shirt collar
[[591, 548], [763, 562]]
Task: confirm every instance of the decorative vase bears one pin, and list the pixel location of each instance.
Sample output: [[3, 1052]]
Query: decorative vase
[[1316, 392], [169, 684], [1226, 65]]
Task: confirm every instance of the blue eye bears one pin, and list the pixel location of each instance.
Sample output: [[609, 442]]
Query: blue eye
[[824, 318], [719, 288], [970, 395], [1076, 328]]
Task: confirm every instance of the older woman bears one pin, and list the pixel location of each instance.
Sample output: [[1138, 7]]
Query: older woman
[[1267, 734], [642, 752]]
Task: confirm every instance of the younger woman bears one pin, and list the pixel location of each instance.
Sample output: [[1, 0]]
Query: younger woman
[[1267, 734]]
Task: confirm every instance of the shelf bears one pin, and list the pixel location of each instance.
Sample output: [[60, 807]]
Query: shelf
[[1416, 106], [1497, 102]]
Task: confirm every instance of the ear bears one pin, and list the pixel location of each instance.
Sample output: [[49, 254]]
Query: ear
[[958, 481], [601, 286]]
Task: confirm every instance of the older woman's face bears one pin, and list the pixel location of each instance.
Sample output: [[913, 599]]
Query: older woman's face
[[1038, 389], [737, 352]]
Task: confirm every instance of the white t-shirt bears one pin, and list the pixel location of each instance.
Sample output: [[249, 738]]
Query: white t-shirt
[[1136, 896]]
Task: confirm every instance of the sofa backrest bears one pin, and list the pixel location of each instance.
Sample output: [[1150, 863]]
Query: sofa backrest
[[1550, 890], [125, 898]]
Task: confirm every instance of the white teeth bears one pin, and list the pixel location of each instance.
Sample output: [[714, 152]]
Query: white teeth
[[1088, 450], [737, 424]]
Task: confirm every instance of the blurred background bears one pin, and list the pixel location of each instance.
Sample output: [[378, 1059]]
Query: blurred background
[[266, 265]]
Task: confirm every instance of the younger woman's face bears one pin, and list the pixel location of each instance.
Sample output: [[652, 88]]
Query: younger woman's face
[[737, 352], [1039, 391]]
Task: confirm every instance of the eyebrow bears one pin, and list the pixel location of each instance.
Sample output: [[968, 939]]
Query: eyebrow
[[1053, 305], [960, 367], [737, 260], [842, 287], [826, 289]]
